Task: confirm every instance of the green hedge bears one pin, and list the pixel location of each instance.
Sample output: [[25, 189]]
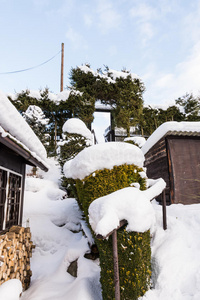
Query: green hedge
[[134, 250]]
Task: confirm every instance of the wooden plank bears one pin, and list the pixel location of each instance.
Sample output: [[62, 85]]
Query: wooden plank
[[185, 160], [164, 210], [116, 265]]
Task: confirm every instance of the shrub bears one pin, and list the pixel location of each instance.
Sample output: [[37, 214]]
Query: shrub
[[74, 144], [134, 250]]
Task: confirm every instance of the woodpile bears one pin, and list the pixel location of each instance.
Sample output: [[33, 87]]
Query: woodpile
[[15, 253]]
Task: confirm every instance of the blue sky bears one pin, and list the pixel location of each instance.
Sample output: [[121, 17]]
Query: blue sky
[[158, 40]]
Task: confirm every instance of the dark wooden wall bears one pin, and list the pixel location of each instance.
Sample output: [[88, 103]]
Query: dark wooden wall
[[156, 162], [184, 158], [177, 160], [10, 160]]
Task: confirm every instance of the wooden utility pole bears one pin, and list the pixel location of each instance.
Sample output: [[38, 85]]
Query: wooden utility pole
[[62, 66]]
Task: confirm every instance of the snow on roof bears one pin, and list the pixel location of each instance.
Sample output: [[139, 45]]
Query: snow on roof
[[181, 128], [75, 125], [130, 204], [100, 156], [13, 125]]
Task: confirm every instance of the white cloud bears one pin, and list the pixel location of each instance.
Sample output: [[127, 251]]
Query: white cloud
[[143, 12], [108, 17], [112, 50], [147, 31], [77, 41], [143, 15], [185, 78], [41, 3], [88, 20], [62, 10], [192, 23]]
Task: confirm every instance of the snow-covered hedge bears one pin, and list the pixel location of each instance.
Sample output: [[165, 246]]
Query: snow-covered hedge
[[133, 248]]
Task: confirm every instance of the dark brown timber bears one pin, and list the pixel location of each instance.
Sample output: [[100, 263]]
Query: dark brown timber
[[116, 266]]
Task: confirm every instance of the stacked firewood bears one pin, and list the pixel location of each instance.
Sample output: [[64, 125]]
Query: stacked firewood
[[15, 253]]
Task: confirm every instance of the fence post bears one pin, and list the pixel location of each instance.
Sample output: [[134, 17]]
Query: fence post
[[116, 265], [164, 210]]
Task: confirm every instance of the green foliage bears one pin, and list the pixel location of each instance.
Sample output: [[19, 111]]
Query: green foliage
[[152, 118], [132, 143], [133, 248], [129, 102], [73, 144], [124, 93], [80, 105], [134, 257], [104, 182], [191, 106]]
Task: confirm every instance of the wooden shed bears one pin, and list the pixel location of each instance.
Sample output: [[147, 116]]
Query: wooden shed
[[18, 146], [173, 153]]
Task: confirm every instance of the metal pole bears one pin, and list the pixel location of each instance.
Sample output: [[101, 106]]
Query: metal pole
[[116, 266], [164, 210], [62, 67]]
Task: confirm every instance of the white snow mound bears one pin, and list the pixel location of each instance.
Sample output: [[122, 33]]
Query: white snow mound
[[75, 125], [11, 290], [131, 204], [101, 156]]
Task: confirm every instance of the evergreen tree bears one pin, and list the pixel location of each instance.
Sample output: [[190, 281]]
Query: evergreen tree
[[74, 141], [191, 107], [129, 102], [38, 122], [77, 104], [122, 92]]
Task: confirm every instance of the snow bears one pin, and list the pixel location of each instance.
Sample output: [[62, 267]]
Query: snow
[[117, 74], [100, 156], [105, 107], [76, 126], [139, 140], [175, 254], [11, 290], [110, 75], [56, 98], [35, 112], [168, 127], [56, 226], [34, 94], [55, 221], [105, 213], [12, 124]]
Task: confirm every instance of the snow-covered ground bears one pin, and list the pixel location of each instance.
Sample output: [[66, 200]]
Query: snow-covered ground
[[55, 223]]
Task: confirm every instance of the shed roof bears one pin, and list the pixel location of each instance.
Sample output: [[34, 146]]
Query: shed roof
[[16, 134], [172, 128]]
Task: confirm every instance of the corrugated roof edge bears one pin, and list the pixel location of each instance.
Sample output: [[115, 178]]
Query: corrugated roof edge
[[171, 128]]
